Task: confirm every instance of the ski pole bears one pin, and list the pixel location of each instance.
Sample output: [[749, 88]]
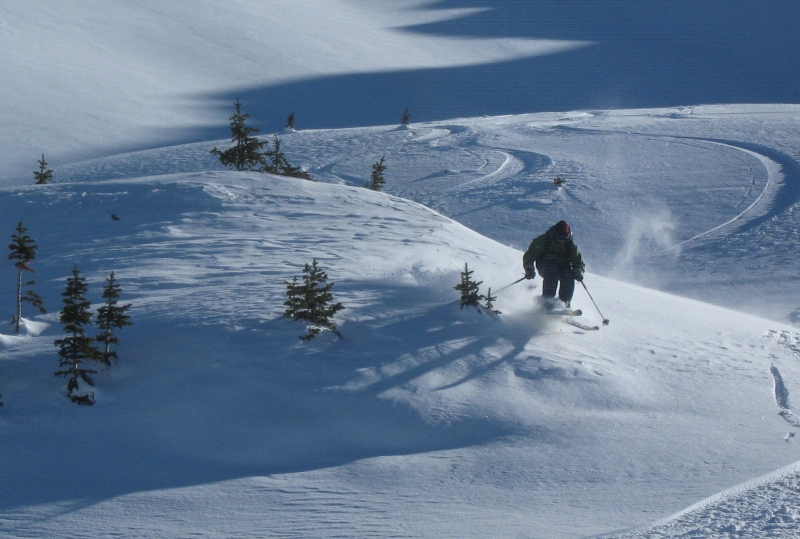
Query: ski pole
[[512, 284], [606, 321]]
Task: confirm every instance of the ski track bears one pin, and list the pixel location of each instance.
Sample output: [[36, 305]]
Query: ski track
[[337, 170], [483, 179], [791, 342], [432, 135], [771, 168], [782, 400]]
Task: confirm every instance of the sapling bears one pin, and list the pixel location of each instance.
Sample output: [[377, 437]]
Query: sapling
[[111, 316], [23, 252], [377, 179], [312, 301], [469, 289], [44, 174], [77, 348]]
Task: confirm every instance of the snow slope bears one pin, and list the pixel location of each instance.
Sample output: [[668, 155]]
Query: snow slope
[[765, 507], [93, 79], [425, 420], [96, 79], [694, 200]]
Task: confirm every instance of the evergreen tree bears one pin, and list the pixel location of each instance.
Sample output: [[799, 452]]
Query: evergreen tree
[[296, 303], [43, 175], [110, 317], [490, 299], [290, 121], [23, 251], [312, 301], [469, 289], [376, 179], [246, 152], [275, 158], [77, 348], [278, 164], [406, 117]]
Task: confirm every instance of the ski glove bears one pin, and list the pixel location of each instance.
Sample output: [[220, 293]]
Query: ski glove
[[578, 274], [530, 273]]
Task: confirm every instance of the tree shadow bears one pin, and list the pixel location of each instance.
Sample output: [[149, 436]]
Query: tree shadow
[[191, 406]]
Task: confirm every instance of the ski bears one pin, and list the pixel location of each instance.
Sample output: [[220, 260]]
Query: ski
[[565, 312], [578, 325]]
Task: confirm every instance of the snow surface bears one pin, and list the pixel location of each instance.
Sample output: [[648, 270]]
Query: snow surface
[[425, 420], [127, 73]]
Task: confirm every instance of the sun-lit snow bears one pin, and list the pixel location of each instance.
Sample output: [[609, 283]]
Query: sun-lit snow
[[84, 81], [677, 419]]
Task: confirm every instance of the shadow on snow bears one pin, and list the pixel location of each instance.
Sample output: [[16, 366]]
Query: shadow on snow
[[193, 405], [652, 54]]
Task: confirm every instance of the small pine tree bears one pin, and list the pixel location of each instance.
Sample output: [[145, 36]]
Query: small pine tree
[[77, 348], [44, 174], [490, 299], [376, 179], [278, 164], [469, 289], [246, 152], [110, 317], [312, 301], [295, 303], [23, 251], [290, 121], [558, 181], [275, 157], [406, 117]]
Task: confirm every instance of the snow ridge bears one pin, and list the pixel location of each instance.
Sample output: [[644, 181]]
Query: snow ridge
[[765, 508]]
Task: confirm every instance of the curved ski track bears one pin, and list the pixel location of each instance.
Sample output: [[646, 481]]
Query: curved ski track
[[773, 170]]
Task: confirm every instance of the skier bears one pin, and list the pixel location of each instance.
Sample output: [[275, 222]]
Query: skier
[[558, 260]]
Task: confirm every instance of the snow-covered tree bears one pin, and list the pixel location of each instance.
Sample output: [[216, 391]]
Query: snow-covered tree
[[376, 179], [290, 121], [77, 348], [44, 174], [23, 252], [278, 164], [469, 289], [111, 316], [312, 301], [406, 117], [246, 153]]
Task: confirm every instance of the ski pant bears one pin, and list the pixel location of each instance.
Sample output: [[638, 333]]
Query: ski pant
[[554, 272]]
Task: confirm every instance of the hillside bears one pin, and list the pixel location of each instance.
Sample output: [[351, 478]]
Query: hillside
[[133, 74], [690, 200], [674, 129], [424, 420]]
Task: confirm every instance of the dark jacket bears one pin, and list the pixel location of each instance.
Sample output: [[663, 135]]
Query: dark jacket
[[545, 248]]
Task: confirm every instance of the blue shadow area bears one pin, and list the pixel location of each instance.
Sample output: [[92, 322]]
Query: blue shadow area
[[649, 53]]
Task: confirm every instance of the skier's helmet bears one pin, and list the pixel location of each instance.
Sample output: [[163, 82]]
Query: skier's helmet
[[562, 231]]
